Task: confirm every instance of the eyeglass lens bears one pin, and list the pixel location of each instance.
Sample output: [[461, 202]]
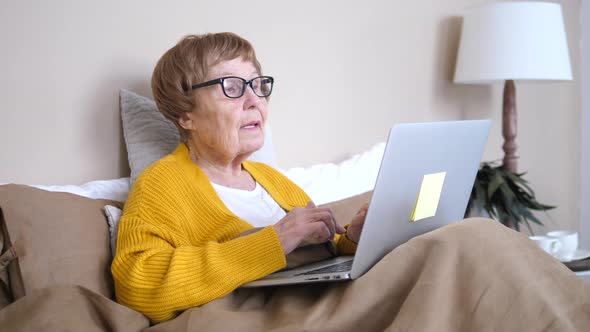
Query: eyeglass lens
[[234, 87]]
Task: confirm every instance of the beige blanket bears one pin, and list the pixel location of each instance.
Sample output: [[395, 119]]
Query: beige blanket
[[474, 275]]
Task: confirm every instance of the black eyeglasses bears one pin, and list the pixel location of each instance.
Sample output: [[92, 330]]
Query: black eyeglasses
[[235, 87]]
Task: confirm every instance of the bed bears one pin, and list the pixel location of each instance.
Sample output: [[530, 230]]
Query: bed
[[57, 244]]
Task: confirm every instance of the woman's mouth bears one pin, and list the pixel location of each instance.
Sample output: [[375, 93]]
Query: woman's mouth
[[251, 125]]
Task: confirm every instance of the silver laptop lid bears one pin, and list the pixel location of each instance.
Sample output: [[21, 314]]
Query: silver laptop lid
[[413, 151]]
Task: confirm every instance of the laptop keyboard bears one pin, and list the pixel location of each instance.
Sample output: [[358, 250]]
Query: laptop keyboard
[[340, 267]]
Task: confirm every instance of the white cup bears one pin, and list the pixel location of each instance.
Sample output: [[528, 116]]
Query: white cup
[[569, 243], [549, 244]]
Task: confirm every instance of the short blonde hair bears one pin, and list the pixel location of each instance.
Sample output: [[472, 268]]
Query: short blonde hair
[[187, 64]]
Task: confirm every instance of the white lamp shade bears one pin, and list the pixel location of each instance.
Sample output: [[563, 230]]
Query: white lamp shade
[[513, 41]]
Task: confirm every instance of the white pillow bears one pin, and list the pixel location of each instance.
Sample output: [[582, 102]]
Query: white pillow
[[113, 214], [115, 190], [149, 136], [330, 182]]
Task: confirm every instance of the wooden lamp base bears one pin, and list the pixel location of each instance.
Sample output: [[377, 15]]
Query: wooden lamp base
[[509, 126]]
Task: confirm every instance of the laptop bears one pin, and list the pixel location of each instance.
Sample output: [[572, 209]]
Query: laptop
[[424, 182]]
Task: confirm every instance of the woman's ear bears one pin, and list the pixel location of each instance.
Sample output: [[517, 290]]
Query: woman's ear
[[186, 121]]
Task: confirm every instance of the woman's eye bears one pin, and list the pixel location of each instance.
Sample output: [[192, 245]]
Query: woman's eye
[[231, 88]]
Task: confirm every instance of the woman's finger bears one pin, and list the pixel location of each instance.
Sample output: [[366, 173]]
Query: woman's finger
[[325, 217], [363, 209], [315, 233], [337, 228], [319, 232]]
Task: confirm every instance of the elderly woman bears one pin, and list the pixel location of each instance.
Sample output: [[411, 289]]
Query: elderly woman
[[184, 211], [179, 245]]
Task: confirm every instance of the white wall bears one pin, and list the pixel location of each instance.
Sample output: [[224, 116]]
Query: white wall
[[346, 71], [585, 129]]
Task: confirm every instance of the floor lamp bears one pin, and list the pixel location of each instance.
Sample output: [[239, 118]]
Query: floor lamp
[[508, 41]]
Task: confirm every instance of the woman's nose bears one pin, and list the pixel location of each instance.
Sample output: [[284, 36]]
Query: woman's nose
[[251, 99]]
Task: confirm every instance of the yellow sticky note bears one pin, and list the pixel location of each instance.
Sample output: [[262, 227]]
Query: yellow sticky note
[[428, 196]]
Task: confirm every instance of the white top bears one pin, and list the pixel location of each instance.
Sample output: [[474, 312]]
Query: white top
[[256, 207]]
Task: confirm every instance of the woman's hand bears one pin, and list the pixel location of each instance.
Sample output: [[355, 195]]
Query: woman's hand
[[305, 226], [353, 232]]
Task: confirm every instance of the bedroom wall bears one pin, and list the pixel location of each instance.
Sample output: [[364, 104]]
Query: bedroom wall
[[585, 128], [346, 71]]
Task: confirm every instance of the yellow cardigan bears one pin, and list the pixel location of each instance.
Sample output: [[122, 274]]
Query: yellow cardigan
[[176, 245]]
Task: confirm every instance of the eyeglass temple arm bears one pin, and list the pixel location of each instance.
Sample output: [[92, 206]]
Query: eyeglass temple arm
[[208, 83]]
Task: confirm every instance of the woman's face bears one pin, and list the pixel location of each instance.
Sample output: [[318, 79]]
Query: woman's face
[[225, 128]]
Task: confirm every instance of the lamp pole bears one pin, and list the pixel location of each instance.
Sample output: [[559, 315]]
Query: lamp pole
[[509, 127]]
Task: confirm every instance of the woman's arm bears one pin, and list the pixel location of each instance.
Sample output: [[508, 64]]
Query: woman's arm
[[160, 279], [177, 249]]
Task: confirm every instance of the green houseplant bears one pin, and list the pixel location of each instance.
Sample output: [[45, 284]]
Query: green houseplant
[[505, 196]]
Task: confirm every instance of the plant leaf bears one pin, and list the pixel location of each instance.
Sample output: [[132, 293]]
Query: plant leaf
[[496, 182], [505, 195]]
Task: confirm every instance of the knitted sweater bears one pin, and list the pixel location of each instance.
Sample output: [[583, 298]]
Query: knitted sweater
[[177, 245]]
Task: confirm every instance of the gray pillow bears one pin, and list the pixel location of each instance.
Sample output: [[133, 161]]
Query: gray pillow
[[149, 136]]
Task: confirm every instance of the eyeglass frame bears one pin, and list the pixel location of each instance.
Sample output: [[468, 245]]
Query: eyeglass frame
[[246, 83]]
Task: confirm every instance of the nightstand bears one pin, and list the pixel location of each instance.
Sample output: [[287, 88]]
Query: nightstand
[[581, 268], [584, 275]]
